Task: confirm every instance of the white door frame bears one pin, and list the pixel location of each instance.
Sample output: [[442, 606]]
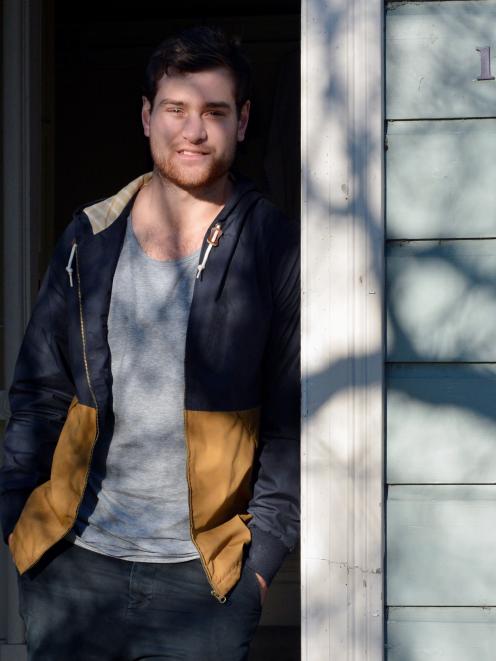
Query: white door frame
[[342, 330]]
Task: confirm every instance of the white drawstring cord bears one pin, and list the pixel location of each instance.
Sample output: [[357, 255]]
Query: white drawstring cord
[[201, 267], [69, 268], [212, 240]]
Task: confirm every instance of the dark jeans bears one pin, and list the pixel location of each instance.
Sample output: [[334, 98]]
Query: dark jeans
[[78, 605]]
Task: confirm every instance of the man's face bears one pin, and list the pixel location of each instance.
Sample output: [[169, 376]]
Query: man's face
[[194, 127]]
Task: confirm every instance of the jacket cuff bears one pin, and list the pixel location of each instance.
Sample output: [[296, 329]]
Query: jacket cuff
[[266, 553], [11, 506]]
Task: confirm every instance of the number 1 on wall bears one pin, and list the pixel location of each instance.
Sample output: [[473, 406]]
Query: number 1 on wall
[[485, 63]]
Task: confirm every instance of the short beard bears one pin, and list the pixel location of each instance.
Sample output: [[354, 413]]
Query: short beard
[[172, 171]]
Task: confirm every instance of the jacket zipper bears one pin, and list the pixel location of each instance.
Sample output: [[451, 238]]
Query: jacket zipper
[[212, 236], [88, 379], [87, 371], [83, 341], [220, 598], [90, 387]]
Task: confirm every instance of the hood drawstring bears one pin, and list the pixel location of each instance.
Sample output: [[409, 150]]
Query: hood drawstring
[[212, 240], [69, 268]]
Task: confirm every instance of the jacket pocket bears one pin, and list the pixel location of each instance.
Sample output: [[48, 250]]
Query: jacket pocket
[[51, 509]]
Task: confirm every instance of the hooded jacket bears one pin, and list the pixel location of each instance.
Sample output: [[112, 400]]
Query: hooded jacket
[[241, 399]]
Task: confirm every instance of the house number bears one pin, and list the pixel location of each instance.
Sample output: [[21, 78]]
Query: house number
[[485, 63]]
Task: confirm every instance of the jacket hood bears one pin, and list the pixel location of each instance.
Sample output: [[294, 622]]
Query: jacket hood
[[103, 213]]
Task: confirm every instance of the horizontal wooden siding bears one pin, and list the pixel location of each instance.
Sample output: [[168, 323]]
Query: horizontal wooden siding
[[441, 331]]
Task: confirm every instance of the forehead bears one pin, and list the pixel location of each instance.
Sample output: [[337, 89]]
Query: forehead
[[210, 85]]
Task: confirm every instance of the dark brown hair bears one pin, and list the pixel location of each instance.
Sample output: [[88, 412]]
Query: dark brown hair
[[199, 49]]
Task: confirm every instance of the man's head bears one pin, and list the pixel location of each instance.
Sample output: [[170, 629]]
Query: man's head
[[196, 106], [199, 49]]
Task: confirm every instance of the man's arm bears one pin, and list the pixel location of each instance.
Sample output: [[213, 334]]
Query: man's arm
[[40, 395], [275, 502]]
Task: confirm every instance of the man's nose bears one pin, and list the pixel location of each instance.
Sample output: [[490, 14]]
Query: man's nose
[[194, 129]]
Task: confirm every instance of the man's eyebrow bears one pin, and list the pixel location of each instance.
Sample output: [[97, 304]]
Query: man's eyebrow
[[218, 104], [209, 104], [171, 101]]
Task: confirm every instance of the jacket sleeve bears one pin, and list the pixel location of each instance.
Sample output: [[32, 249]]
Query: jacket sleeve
[[276, 492], [39, 399]]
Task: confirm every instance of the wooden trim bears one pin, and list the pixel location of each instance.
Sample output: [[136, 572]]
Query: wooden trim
[[342, 329], [22, 220]]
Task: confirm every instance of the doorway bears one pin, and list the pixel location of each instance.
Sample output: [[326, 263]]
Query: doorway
[[99, 55]]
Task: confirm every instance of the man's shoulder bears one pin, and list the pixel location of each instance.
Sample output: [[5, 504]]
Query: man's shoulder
[[276, 227]]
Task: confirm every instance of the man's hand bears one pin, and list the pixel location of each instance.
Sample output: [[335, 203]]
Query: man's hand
[[264, 588]]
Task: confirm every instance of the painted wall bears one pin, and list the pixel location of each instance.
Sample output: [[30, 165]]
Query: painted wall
[[441, 331]]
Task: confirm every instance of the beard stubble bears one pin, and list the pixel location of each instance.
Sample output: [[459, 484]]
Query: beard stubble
[[192, 178]]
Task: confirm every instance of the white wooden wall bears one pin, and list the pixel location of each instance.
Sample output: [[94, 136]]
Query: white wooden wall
[[342, 330]]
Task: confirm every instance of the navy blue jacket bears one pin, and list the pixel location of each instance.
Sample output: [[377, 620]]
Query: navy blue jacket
[[242, 388]]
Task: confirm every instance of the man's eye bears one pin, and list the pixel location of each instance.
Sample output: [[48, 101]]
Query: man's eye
[[175, 110]]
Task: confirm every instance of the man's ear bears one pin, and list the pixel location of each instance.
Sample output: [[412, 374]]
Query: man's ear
[[145, 115], [243, 120]]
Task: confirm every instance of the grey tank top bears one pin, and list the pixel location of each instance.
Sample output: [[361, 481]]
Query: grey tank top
[[136, 504]]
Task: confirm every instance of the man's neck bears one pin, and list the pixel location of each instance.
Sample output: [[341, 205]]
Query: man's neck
[[170, 222], [166, 205]]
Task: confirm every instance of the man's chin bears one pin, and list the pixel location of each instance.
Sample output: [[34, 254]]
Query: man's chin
[[192, 177], [192, 181]]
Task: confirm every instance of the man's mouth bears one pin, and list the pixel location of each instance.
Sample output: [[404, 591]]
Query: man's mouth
[[191, 152]]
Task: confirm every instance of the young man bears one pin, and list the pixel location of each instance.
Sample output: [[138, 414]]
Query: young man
[[149, 490]]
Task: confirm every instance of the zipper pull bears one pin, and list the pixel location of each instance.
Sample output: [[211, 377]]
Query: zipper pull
[[213, 241], [220, 598], [69, 268], [215, 234]]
